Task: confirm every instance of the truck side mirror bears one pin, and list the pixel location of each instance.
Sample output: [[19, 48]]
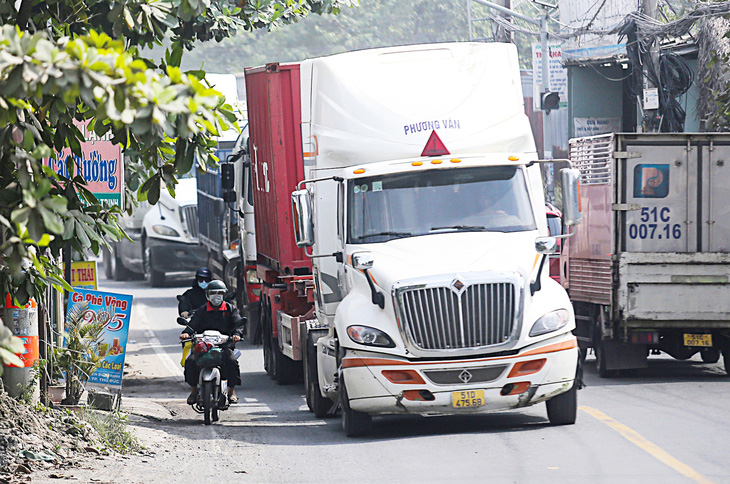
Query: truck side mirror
[[571, 196], [227, 176], [301, 205], [229, 196], [547, 245]]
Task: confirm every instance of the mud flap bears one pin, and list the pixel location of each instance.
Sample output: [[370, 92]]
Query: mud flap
[[624, 356]]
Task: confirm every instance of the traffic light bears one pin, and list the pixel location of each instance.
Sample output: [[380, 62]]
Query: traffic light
[[549, 101]]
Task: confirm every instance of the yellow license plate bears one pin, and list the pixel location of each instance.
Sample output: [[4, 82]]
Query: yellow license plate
[[697, 339], [468, 399]]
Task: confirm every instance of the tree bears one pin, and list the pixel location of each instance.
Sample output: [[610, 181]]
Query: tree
[[81, 60], [379, 23]]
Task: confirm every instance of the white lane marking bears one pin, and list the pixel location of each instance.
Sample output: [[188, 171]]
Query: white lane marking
[[167, 361]]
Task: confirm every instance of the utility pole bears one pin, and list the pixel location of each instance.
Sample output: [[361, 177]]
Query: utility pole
[[649, 123], [542, 23], [500, 33]]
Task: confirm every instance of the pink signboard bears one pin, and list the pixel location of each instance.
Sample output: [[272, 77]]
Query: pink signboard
[[101, 165]]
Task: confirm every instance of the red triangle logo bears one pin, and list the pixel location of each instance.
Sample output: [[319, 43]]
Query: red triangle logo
[[434, 146]]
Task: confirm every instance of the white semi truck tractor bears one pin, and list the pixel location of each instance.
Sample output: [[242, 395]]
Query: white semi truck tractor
[[415, 279]]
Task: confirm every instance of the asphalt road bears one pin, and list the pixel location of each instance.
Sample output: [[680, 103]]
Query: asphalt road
[[668, 424]]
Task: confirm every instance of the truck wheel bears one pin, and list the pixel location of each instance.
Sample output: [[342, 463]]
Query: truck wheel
[[108, 265], [113, 267], [253, 327], [266, 339], [286, 370], [726, 359], [280, 368], [154, 277], [599, 348], [354, 423], [318, 404], [563, 408], [229, 275], [710, 355], [603, 372]]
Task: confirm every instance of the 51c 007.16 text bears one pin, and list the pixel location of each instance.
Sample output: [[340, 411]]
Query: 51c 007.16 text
[[656, 224]]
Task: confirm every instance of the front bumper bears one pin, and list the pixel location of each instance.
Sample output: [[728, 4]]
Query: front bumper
[[168, 256], [371, 392]]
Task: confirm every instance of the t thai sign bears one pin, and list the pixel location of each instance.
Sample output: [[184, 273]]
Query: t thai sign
[[100, 165]]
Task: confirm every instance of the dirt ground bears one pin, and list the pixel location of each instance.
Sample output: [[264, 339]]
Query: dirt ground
[[36, 438]]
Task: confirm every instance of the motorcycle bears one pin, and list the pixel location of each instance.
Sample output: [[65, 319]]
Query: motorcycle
[[208, 355]]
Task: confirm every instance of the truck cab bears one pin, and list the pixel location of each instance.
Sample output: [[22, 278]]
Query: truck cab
[[163, 238]]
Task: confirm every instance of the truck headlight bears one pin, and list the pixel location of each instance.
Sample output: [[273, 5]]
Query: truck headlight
[[165, 230], [550, 322], [365, 335]]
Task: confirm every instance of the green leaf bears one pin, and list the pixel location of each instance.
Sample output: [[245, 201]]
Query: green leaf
[[36, 228], [81, 234], [51, 220], [56, 203], [68, 228], [176, 55]]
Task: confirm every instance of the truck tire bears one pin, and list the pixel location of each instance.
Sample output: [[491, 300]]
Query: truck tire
[[354, 423], [319, 405], [603, 371], [266, 340], [253, 327], [286, 370], [107, 257], [562, 409], [279, 367], [114, 270], [710, 355], [154, 277], [599, 348], [726, 359]]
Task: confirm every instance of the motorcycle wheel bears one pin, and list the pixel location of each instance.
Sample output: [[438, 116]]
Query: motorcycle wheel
[[207, 401]]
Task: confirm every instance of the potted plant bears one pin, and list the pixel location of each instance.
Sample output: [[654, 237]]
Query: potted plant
[[83, 350]]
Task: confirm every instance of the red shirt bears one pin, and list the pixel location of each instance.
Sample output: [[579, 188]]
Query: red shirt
[[210, 307]]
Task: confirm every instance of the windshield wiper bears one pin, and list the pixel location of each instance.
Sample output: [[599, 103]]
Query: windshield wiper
[[460, 227], [394, 234]]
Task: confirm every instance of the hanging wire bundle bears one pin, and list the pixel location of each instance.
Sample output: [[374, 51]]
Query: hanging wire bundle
[[672, 76]]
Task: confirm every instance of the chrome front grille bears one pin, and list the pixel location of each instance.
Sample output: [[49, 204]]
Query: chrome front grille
[[458, 316], [190, 219]]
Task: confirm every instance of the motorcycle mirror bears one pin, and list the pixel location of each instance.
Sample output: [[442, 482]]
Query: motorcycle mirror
[[182, 321]]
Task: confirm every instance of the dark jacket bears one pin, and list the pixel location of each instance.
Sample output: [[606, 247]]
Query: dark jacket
[[225, 319], [193, 298]]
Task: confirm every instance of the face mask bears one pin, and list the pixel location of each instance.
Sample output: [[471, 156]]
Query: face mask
[[216, 299], [203, 284]]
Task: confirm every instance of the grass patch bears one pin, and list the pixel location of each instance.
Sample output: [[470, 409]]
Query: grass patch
[[113, 430]]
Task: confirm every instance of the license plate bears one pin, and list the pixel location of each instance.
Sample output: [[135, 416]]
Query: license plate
[[704, 340], [468, 399]]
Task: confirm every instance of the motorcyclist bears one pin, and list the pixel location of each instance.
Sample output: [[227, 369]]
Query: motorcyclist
[[194, 297], [222, 316]]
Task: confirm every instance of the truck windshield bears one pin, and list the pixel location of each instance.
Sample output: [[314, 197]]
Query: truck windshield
[[491, 198]]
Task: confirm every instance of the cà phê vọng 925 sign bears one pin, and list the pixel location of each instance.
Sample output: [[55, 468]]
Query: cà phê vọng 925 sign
[[101, 165], [114, 310]]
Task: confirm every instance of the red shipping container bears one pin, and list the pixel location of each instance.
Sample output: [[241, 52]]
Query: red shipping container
[[274, 113]]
